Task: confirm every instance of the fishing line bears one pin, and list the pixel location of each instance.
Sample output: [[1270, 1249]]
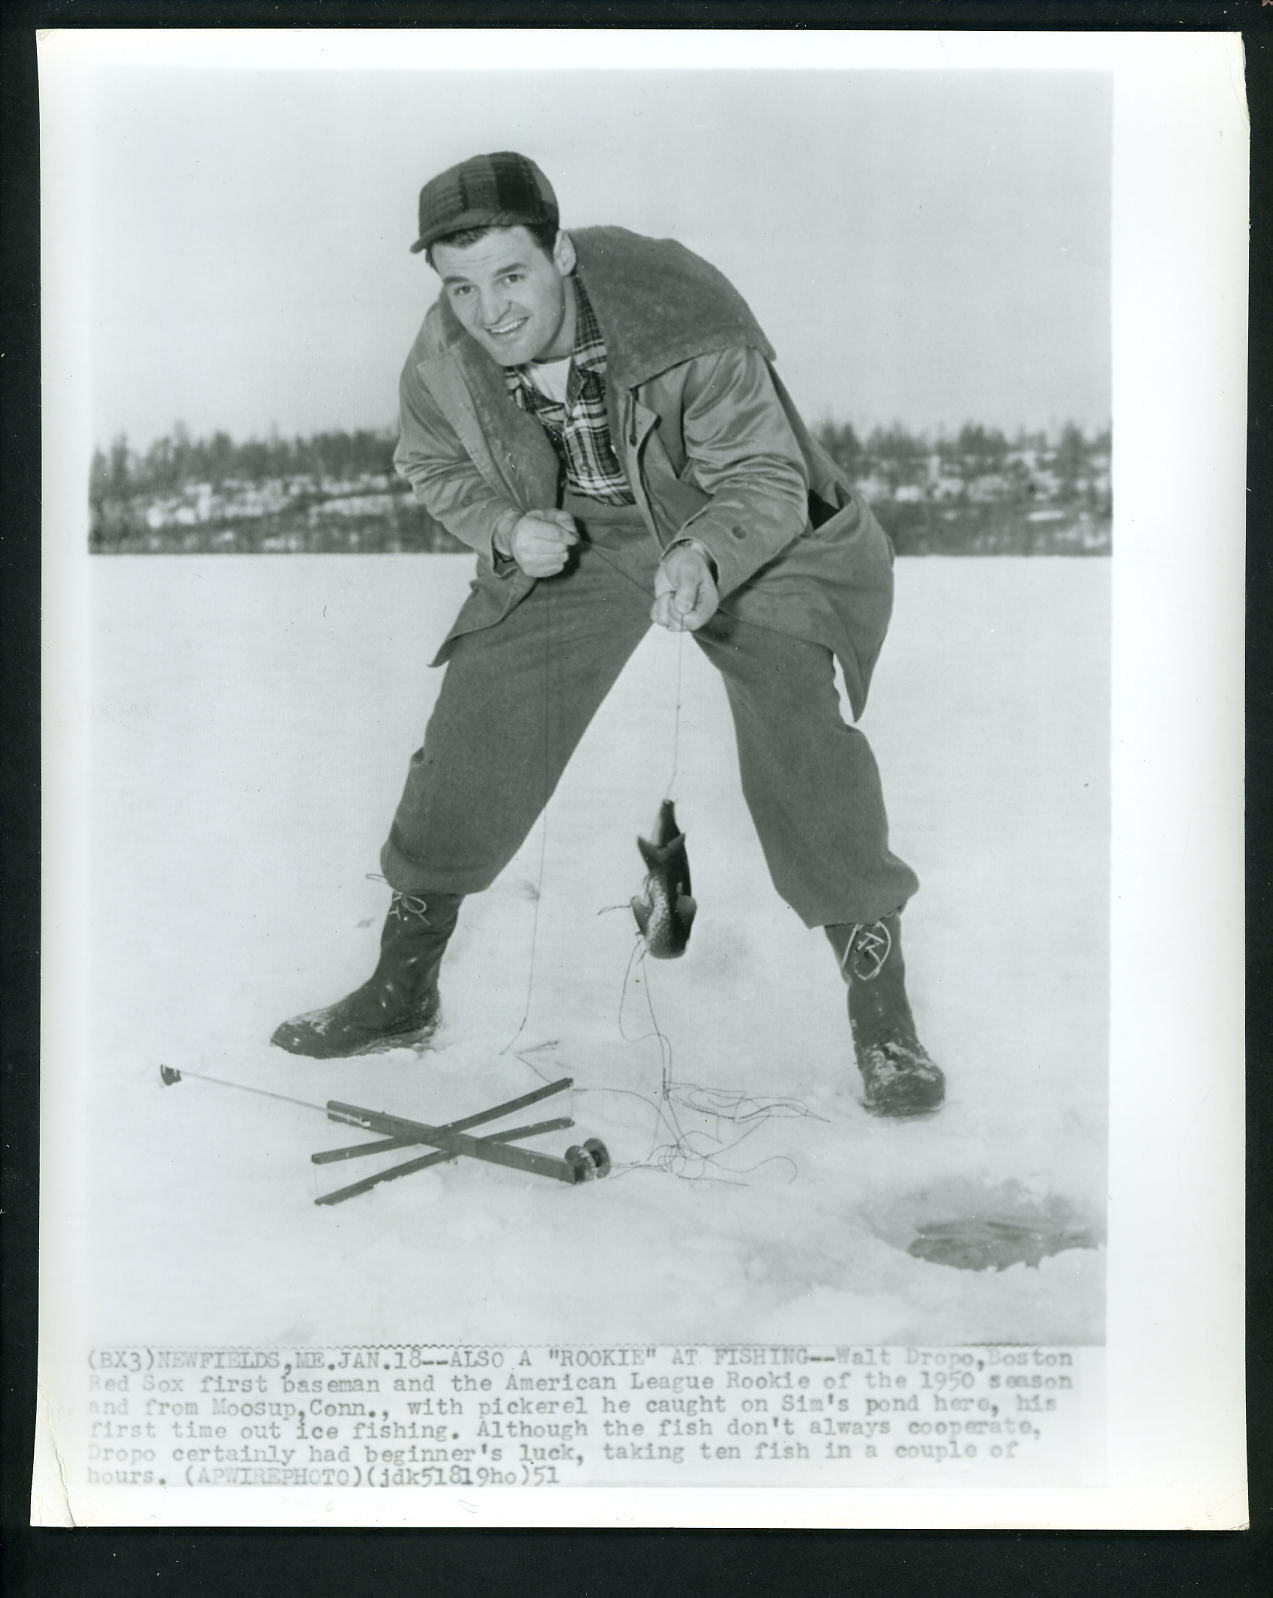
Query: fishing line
[[261, 1093], [672, 1149], [543, 821], [170, 1076], [660, 1156], [669, 791], [682, 1156], [729, 1104], [689, 1154], [664, 1043]]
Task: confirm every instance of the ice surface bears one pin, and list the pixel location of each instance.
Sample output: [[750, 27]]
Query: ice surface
[[252, 718]]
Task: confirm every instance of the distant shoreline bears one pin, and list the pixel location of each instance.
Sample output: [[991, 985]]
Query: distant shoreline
[[916, 530], [975, 493]]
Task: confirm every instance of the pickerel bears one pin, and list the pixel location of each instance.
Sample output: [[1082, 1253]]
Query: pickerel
[[666, 912]]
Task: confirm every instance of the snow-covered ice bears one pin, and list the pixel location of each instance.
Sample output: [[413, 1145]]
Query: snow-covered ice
[[251, 722]]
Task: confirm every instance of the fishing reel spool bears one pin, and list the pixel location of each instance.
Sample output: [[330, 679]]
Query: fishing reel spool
[[590, 1161]]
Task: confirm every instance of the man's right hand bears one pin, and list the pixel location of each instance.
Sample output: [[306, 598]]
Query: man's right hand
[[540, 542]]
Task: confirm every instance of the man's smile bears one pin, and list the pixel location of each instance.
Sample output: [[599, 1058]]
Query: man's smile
[[510, 293]]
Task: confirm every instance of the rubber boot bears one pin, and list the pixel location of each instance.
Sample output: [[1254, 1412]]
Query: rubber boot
[[897, 1073], [398, 1006]]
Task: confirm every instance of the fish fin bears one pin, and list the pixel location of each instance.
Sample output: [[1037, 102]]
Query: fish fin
[[658, 854], [641, 911], [686, 909], [653, 856]]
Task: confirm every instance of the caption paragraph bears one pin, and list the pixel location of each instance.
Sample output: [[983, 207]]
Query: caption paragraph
[[428, 1416]]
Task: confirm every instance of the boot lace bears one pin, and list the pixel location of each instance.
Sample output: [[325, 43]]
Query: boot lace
[[404, 906], [409, 907], [869, 946]]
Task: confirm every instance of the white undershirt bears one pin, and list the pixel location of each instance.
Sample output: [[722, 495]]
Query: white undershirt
[[551, 378]]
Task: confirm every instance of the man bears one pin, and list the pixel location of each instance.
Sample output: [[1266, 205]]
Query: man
[[597, 416]]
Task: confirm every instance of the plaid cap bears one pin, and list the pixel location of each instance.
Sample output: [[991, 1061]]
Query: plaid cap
[[500, 190]]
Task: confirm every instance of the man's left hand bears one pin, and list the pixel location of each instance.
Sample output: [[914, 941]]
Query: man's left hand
[[684, 594]]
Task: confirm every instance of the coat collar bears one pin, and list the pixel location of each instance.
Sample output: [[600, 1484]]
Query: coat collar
[[657, 303]]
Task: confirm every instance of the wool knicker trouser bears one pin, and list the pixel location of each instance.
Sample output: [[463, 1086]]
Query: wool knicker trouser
[[518, 696]]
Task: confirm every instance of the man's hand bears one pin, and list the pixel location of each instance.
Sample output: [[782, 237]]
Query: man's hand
[[541, 541], [684, 594]]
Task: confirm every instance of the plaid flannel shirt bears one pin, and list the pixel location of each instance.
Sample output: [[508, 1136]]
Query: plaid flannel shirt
[[579, 429]]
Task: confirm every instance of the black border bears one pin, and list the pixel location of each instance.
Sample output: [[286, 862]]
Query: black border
[[229, 1563]]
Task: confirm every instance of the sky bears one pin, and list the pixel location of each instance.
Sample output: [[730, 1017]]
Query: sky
[[928, 247]]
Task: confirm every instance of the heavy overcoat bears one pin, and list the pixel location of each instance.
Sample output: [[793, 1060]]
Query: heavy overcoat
[[709, 439]]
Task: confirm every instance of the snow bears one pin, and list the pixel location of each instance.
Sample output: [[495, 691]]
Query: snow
[[251, 722]]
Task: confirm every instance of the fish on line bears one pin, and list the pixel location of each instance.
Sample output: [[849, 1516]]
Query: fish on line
[[666, 908]]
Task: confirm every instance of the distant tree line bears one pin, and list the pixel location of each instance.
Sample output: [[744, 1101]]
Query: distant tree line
[[980, 451], [178, 459], [974, 490]]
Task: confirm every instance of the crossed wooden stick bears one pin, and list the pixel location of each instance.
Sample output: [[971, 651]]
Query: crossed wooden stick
[[581, 1162]]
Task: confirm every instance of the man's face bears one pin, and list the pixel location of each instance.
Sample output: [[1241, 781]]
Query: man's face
[[516, 301]]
